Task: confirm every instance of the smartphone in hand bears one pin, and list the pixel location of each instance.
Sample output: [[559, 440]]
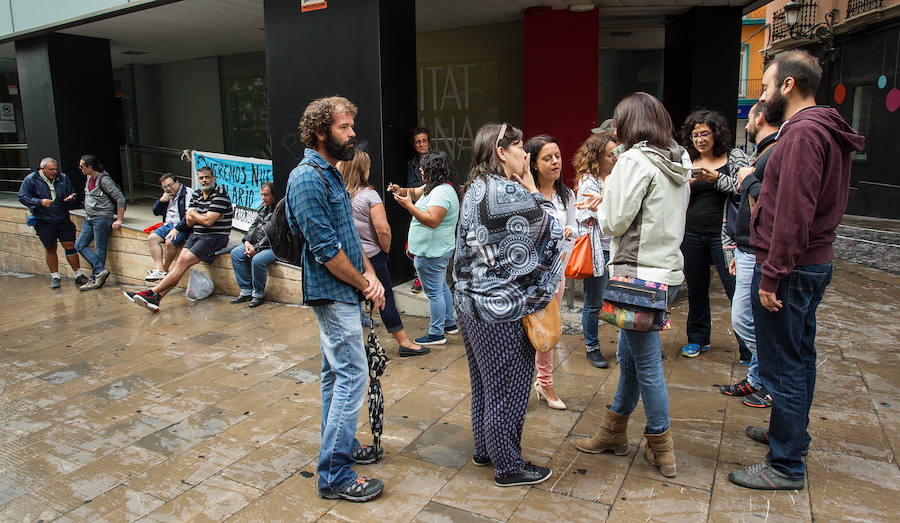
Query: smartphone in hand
[[696, 171]]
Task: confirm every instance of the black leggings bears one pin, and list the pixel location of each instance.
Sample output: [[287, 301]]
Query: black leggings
[[389, 314]]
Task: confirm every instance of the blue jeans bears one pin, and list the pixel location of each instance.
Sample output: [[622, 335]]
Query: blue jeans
[[433, 275], [641, 375], [251, 273], [593, 302], [96, 230], [345, 372], [742, 310], [787, 360]]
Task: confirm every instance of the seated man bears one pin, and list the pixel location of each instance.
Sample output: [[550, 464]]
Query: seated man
[[251, 259], [50, 195], [172, 206], [209, 213]]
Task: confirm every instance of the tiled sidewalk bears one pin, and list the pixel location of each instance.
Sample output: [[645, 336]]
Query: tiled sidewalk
[[210, 411]]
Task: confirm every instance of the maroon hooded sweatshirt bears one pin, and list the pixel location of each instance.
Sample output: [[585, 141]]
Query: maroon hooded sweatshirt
[[804, 194]]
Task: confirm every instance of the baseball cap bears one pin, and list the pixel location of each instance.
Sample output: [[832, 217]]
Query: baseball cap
[[605, 127]]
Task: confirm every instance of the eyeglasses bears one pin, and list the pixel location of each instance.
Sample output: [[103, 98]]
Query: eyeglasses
[[704, 134], [499, 136], [170, 184]]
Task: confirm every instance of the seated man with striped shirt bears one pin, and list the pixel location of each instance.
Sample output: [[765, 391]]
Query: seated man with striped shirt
[[209, 213]]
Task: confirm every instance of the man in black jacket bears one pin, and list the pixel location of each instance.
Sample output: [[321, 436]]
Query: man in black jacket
[[251, 259], [762, 129], [50, 195]]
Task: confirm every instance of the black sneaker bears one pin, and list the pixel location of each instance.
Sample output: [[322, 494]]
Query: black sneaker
[[80, 280], [761, 435], [147, 299], [54, 283], [741, 388], [595, 357], [529, 475], [760, 399], [366, 455], [481, 462], [363, 489], [453, 329]]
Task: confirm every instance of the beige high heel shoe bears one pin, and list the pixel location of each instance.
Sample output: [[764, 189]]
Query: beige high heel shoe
[[553, 404]]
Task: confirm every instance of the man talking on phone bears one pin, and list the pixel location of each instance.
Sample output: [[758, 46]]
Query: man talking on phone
[[50, 195]]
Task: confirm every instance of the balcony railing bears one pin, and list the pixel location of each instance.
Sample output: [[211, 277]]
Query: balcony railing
[[750, 88], [855, 7], [805, 20]]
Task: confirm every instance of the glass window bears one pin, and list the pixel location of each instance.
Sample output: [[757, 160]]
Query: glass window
[[861, 119]]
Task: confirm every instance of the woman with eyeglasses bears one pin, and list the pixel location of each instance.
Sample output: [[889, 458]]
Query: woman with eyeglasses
[[714, 177], [507, 266], [546, 168], [431, 239], [593, 163]]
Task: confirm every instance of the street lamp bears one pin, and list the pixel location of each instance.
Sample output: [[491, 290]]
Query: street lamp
[[822, 31]]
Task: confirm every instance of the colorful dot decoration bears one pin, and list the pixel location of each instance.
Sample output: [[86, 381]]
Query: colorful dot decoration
[[840, 93], [882, 81], [892, 102]]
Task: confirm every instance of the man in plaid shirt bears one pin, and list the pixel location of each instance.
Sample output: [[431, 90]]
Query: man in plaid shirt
[[335, 274]]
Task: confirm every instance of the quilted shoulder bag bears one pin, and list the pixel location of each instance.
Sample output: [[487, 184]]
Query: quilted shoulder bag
[[635, 304]]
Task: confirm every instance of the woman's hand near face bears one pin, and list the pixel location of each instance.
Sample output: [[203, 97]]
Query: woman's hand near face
[[524, 177]]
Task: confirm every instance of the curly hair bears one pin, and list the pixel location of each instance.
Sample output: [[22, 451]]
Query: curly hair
[[717, 123], [438, 169], [533, 147], [318, 117], [589, 158]]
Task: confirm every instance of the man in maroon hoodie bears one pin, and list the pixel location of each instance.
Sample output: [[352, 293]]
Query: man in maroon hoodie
[[801, 202]]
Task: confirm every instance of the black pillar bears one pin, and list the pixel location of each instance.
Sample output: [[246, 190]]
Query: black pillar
[[364, 50], [68, 102], [702, 63]]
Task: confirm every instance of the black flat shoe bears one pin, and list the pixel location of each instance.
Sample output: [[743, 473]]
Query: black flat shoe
[[256, 302], [242, 298], [406, 351]]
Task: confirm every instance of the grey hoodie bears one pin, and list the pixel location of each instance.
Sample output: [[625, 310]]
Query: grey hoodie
[[644, 210], [100, 202]]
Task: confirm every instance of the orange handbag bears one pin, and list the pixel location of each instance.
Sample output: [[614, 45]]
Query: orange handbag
[[581, 263]]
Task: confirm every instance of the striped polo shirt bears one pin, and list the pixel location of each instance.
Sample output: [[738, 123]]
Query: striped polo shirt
[[217, 201]]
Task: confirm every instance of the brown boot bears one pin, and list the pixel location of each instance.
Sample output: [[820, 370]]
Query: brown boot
[[610, 436], [661, 452]]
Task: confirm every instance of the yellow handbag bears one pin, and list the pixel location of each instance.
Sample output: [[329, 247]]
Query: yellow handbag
[[544, 327]]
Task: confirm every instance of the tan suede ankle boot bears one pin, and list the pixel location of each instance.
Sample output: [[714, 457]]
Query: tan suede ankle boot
[[661, 452], [610, 436]]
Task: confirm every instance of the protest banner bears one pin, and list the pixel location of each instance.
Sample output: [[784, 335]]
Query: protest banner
[[241, 177]]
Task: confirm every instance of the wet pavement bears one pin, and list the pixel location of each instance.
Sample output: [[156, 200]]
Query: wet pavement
[[210, 411]]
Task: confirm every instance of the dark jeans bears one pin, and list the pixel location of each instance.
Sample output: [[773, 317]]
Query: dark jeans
[[389, 314], [593, 302], [700, 251], [785, 345]]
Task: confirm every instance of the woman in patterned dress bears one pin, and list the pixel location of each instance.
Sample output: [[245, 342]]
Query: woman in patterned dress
[[507, 266]]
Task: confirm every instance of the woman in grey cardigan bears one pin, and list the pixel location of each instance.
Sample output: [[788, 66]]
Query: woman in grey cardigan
[[593, 162], [104, 210]]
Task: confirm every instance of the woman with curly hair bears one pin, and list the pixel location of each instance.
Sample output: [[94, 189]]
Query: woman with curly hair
[[546, 168], [593, 162], [707, 138], [432, 236], [371, 221]]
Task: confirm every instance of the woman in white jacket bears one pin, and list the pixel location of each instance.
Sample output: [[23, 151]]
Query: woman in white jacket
[[643, 208]]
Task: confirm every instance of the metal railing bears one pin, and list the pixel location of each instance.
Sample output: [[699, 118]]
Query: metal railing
[[12, 176], [143, 167], [805, 20], [855, 7], [750, 88]]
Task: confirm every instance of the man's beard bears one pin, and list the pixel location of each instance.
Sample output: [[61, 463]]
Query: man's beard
[[208, 188], [775, 107], [342, 151], [751, 134]]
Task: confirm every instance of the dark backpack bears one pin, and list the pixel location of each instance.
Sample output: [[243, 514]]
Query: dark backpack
[[286, 244]]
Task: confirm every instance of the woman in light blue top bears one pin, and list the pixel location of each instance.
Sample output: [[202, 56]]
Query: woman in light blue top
[[432, 237]]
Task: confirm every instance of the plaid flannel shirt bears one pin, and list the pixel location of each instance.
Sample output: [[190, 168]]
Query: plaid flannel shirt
[[326, 219]]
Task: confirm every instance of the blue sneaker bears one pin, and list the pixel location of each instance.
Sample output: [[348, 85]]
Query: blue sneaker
[[431, 339], [704, 348], [691, 350]]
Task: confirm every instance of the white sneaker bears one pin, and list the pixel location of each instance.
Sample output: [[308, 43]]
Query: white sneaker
[[155, 275]]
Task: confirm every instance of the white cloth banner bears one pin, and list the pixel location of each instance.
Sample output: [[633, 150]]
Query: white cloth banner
[[241, 177]]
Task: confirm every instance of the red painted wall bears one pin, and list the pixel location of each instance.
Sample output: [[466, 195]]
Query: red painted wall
[[561, 74]]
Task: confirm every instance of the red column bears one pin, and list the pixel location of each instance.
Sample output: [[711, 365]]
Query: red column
[[561, 61]]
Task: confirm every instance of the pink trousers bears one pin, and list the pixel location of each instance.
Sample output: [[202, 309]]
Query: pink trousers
[[544, 360]]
